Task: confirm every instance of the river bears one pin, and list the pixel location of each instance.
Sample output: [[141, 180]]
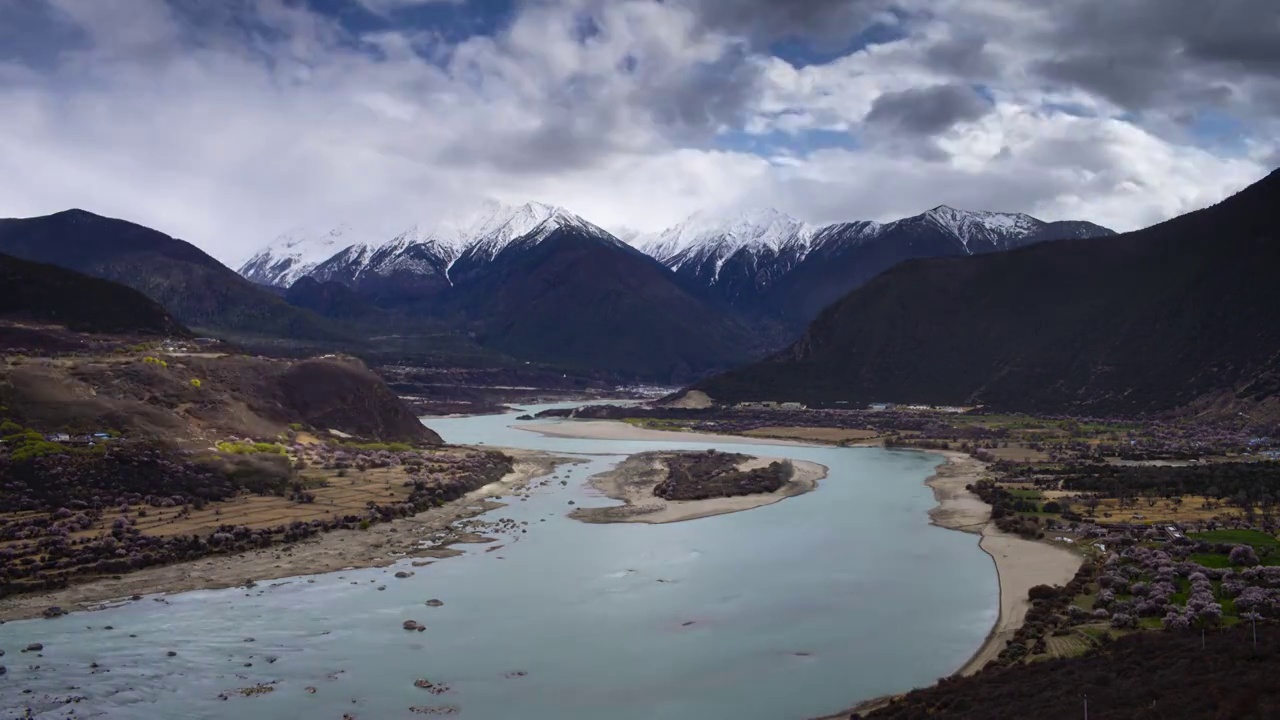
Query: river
[[788, 611]]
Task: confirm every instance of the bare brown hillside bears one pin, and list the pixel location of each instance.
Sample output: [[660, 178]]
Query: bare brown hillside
[[150, 393]]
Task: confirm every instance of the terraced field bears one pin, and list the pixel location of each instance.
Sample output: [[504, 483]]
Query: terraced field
[[348, 495], [1068, 645]]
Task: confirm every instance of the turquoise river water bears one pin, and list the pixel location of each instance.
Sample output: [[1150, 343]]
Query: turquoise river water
[[798, 609]]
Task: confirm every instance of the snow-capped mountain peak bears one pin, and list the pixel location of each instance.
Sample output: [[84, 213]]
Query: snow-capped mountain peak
[[494, 226], [480, 231], [965, 225], [745, 256], [297, 252], [726, 233]]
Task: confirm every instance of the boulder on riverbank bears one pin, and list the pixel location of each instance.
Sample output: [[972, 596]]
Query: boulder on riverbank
[[433, 688]]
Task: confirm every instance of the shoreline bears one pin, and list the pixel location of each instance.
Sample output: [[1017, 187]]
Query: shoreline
[[617, 430], [1020, 564], [383, 544], [632, 482]]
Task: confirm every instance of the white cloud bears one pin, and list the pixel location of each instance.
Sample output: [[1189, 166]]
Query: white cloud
[[226, 132], [386, 7]]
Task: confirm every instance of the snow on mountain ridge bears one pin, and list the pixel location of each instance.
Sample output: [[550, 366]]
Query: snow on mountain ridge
[[483, 230], [706, 240], [712, 238], [532, 222], [763, 227], [297, 252], [965, 225]]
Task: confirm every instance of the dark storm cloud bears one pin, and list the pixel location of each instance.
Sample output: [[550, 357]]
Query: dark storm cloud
[[775, 19], [1144, 54], [962, 56], [927, 111], [706, 97], [657, 91], [577, 131]]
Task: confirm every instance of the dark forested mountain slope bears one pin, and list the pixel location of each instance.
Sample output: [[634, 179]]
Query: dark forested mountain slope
[[1146, 321], [1142, 676], [760, 266], [329, 299], [770, 266], [191, 285], [844, 257], [534, 282], [48, 293], [573, 298]]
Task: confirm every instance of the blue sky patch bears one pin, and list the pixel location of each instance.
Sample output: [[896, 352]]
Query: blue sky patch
[[804, 52], [453, 22]]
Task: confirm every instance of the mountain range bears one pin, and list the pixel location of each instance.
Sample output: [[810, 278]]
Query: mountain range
[[195, 288], [757, 265], [767, 264], [533, 282], [1180, 314]]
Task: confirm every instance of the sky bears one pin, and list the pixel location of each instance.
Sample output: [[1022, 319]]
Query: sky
[[228, 122]]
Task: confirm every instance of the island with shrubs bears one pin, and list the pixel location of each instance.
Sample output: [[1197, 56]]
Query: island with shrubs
[[662, 487]]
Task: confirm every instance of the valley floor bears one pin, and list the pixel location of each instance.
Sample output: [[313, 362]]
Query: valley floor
[[425, 535], [1020, 564]]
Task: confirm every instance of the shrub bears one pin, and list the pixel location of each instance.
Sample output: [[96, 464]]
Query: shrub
[[249, 448], [1243, 555], [1042, 592], [1124, 621]]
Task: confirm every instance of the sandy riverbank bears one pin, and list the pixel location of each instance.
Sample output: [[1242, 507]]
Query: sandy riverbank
[[616, 430], [633, 480], [1020, 564], [425, 535]]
